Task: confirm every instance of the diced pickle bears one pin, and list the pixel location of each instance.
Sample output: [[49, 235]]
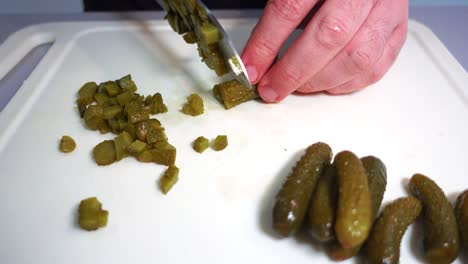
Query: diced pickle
[[145, 156], [155, 134], [208, 33], [170, 177], [87, 92], [94, 117], [67, 144], [233, 93], [143, 127], [111, 88], [101, 98], [194, 105], [201, 144], [136, 113], [164, 153], [122, 142], [157, 105], [127, 84], [111, 111], [104, 153], [114, 125], [91, 216], [219, 143], [125, 98], [136, 148], [190, 37]]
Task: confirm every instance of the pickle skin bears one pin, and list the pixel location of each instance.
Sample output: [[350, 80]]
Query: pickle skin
[[292, 201], [377, 181], [441, 241], [354, 213], [383, 245], [322, 210], [461, 212]]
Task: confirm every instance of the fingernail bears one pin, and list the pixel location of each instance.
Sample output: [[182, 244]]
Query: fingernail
[[252, 72], [268, 94]]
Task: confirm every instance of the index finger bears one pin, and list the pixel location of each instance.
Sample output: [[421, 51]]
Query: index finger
[[279, 19]]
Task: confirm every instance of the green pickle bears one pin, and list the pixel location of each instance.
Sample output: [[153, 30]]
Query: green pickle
[[122, 142], [127, 84], [169, 179], [377, 182], [91, 216], [102, 98], [292, 201], [219, 143], [164, 153], [157, 105], [441, 241], [67, 144], [104, 153], [111, 88], [136, 148], [201, 144], [143, 128], [233, 93], [87, 92], [461, 212], [354, 211], [321, 214], [124, 98], [190, 38], [383, 245], [194, 105], [145, 156]]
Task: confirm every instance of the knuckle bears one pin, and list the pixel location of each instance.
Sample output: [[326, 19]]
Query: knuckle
[[264, 49], [332, 32], [291, 76], [288, 10], [360, 61]]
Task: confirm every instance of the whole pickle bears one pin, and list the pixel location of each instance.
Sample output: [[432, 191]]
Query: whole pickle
[[461, 211], [321, 215], [292, 200], [441, 241], [354, 213], [383, 245], [377, 181]]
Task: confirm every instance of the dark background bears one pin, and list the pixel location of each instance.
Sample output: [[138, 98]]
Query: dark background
[[140, 5]]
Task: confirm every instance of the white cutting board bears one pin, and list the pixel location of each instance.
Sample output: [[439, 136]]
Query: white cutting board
[[415, 120]]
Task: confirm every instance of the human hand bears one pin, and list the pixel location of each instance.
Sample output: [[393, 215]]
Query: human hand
[[346, 46]]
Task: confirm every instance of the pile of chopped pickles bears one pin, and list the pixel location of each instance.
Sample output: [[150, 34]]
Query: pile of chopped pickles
[[115, 106]]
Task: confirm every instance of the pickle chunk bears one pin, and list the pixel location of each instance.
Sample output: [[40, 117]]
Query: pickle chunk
[[67, 144], [461, 211], [90, 214], [219, 143], [201, 144], [194, 105], [441, 242], [292, 201], [233, 93], [170, 177], [354, 213], [104, 153], [383, 245]]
